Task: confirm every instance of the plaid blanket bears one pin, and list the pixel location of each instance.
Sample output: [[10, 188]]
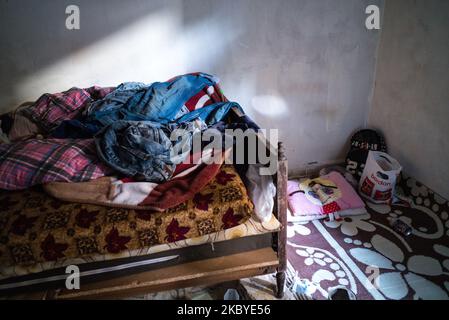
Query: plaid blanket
[[31, 162], [51, 109]]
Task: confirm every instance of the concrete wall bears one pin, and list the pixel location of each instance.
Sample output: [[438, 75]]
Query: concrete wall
[[303, 66], [411, 96]]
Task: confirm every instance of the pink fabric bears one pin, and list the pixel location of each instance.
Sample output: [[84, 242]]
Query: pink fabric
[[300, 204]]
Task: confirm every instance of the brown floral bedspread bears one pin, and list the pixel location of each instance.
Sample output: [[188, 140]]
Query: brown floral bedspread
[[38, 232]]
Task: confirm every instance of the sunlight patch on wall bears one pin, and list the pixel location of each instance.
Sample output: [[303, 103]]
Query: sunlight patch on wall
[[269, 105], [154, 48]]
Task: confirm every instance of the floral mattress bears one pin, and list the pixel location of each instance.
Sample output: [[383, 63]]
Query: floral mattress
[[38, 232]]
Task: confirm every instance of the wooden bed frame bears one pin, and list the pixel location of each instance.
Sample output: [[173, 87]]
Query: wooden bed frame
[[199, 273]]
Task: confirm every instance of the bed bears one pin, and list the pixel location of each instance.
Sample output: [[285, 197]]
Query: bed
[[74, 154], [124, 252]]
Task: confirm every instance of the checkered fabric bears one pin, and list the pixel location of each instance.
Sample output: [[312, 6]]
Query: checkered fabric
[[31, 162]]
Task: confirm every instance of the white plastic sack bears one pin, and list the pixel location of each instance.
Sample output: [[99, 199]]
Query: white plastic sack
[[261, 191], [379, 177], [231, 294]]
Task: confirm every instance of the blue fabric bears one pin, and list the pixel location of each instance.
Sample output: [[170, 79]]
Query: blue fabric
[[132, 125], [160, 102], [143, 149]]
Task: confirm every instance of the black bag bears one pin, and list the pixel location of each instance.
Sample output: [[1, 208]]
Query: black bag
[[361, 143]]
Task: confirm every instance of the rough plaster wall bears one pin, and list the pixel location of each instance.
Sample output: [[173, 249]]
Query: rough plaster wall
[[303, 66], [411, 96]]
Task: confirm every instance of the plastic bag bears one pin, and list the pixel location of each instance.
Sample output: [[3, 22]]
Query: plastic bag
[[261, 191], [231, 294], [379, 177]]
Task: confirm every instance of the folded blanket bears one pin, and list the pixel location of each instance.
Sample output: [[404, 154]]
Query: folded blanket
[[189, 179], [30, 162], [327, 195]]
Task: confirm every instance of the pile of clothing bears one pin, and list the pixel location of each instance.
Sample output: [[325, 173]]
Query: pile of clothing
[[114, 145]]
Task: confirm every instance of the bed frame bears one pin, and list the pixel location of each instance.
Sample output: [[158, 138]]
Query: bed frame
[[207, 272]]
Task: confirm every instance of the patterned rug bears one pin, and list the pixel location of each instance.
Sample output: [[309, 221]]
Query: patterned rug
[[365, 255]]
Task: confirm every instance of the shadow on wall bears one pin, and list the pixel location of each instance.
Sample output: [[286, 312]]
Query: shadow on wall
[[34, 38], [134, 41]]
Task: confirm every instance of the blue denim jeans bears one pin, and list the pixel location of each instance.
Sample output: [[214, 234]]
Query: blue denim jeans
[[144, 149], [159, 102]]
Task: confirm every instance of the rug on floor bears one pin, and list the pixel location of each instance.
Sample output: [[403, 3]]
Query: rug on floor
[[365, 255]]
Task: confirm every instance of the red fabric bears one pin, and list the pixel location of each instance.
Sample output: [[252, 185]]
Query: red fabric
[[193, 161], [191, 103], [216, 96], [331, 208], [180, 189], [176, 191]]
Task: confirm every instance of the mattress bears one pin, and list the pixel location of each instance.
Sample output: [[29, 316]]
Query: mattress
[[39, 233]]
